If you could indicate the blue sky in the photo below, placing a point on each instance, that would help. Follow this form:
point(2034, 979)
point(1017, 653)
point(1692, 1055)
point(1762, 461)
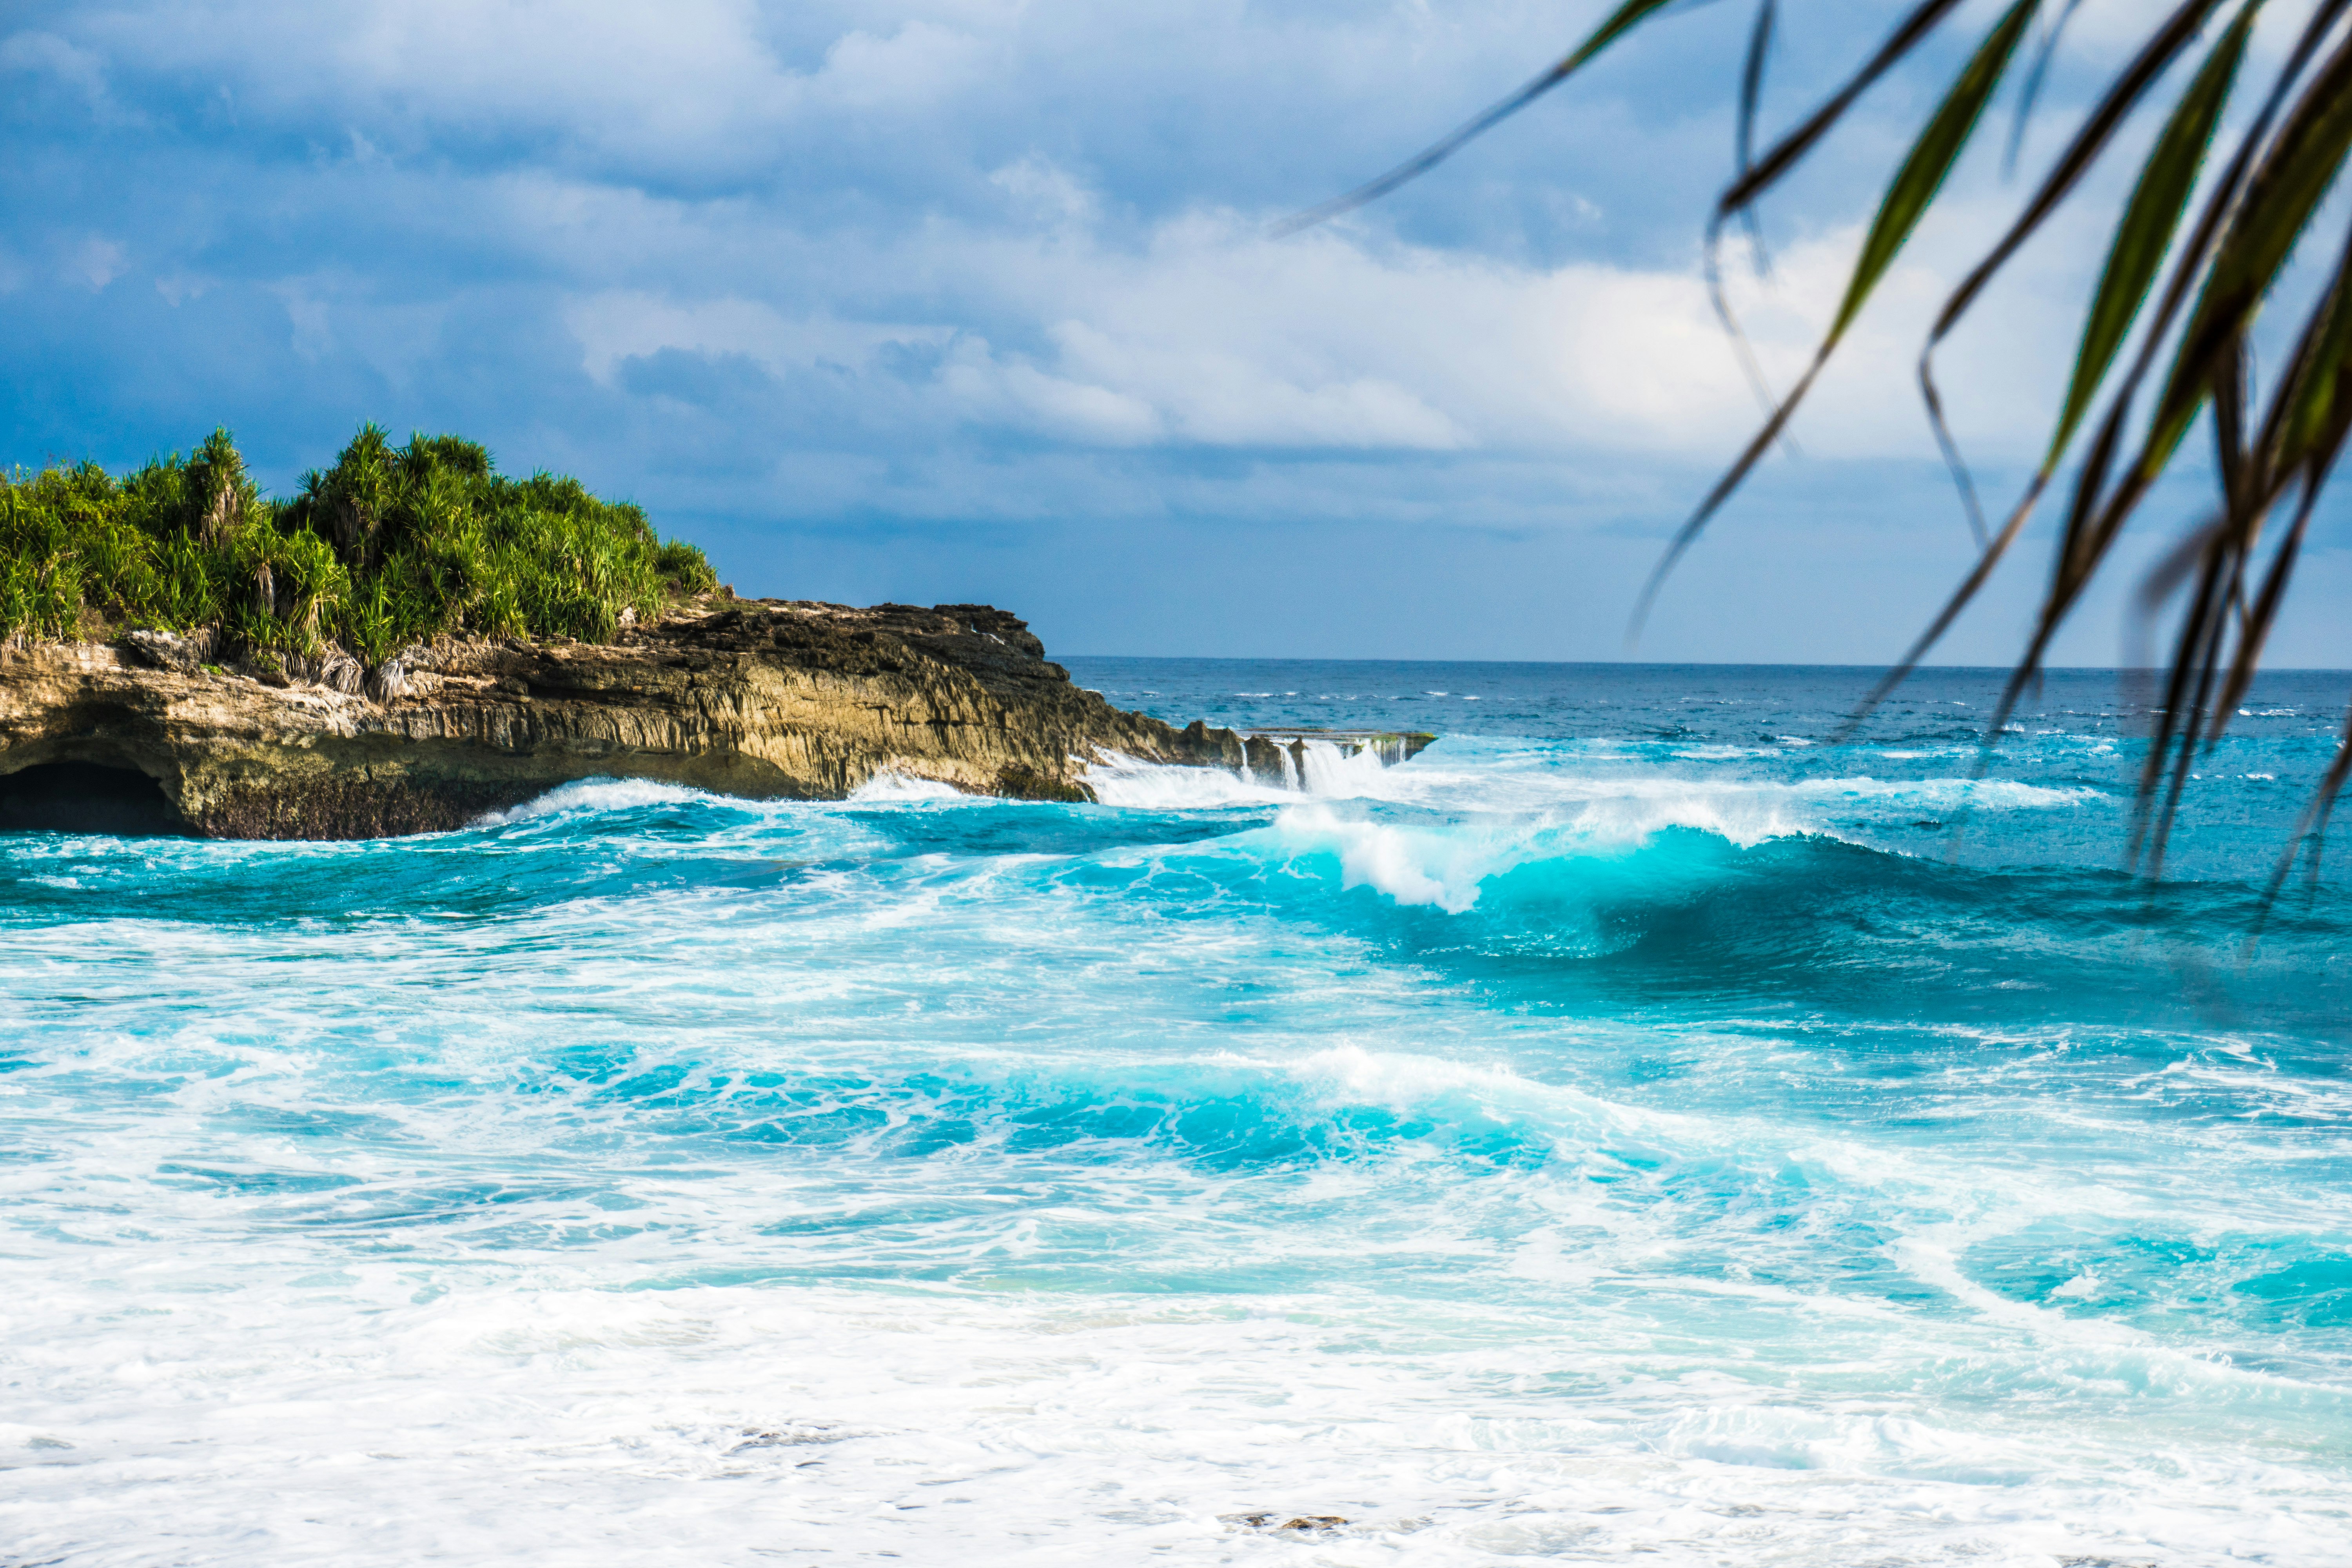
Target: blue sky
point(974, 300)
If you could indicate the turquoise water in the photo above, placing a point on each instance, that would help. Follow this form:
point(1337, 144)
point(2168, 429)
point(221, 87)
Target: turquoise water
point(1635, 1125)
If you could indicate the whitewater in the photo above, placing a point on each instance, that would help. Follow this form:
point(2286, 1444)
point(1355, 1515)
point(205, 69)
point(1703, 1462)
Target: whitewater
point(1640, 1125)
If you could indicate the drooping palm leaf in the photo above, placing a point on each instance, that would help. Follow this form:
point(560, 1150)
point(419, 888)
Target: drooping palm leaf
point(1907, 201)
point(1751, 98)
point(2031, 94)
point(2088, 144)
point(2099, 512)
point(2286, 189)
point(2096, 514)
point(1790, 150)
point(1624, 20)
point(2151, 218)
point(2208, 285)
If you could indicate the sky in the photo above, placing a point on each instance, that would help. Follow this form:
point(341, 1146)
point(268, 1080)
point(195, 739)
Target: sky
point(953, 301)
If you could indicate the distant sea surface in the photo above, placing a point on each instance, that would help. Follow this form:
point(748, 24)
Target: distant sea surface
point(1636, 1128)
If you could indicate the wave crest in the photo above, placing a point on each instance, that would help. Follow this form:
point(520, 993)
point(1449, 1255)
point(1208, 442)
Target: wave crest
point(597, 794)
point(891, 786)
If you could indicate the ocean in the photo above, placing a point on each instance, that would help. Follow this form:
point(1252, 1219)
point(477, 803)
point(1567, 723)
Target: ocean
point(1636, 1126)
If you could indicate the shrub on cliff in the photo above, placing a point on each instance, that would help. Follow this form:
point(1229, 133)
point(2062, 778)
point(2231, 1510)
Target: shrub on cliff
point(392, 545)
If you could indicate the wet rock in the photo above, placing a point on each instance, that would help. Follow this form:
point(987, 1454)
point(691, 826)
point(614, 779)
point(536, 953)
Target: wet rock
point(1305, 1522)
point(764, 699)
point(171, 651)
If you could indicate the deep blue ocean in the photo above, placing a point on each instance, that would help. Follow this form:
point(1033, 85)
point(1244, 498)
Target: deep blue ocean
point(1635, 1129)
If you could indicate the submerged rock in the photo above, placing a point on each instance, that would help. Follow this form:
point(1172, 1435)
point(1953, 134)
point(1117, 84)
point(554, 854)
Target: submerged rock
point(1303, 1523)
point(759, 698)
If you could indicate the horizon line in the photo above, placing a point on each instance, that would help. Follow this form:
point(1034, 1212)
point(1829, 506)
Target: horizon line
point(1687, 663)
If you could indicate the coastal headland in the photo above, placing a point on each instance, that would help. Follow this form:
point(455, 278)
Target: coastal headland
point(766, 698)
point(414, 640)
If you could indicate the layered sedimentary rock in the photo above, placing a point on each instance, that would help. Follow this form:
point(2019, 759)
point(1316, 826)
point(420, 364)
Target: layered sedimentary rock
point(763, 698)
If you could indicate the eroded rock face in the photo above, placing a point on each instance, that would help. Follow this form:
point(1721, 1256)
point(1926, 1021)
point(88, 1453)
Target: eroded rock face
point(760, 697)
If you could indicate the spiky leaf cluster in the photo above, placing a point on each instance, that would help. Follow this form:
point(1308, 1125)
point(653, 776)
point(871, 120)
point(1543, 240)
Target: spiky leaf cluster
point(2198, 250)
point(390, 546)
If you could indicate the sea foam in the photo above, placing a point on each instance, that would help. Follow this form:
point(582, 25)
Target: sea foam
point(1554, 1148)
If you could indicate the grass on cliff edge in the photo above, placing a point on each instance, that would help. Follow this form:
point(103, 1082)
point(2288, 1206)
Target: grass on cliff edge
point(393, 545)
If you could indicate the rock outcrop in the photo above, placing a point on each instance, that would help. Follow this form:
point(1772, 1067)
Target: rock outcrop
point(760, 697)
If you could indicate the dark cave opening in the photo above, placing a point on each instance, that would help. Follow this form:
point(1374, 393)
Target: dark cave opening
point(84, 797)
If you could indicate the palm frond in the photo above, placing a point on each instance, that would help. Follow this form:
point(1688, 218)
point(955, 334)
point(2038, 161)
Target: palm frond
point(1908, 198)
point(2150, 220)
point(1624, 20)
point(2190, 293)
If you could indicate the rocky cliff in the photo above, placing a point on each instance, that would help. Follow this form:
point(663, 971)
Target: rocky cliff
point(764, 697)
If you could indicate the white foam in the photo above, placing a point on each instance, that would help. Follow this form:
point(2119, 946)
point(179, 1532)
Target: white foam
point(596, 794)
point(1319, 768)
point(1120, 780)
point(1418, 1081)
point(1324, 769)
point(1510, 823)
point(1440, 867)
point(547, 1420)
point(890, 785)
point(462, 1238)
point(1612, 797)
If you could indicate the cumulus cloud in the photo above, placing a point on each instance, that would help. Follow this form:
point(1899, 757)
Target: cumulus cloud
point(1209, 332)
point(37, 56)
point(96, 261)
point(995, 263)
point(625, 324)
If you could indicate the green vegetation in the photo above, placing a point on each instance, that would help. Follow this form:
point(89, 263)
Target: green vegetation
point(393, 545)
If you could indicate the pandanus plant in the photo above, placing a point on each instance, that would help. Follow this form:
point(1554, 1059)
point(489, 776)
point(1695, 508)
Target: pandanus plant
point(2206, 240)
point(393, 545)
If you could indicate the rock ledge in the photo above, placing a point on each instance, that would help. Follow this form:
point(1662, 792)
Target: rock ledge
point(760, 697)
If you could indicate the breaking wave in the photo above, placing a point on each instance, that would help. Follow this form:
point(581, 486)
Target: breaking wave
point(1632, 1132)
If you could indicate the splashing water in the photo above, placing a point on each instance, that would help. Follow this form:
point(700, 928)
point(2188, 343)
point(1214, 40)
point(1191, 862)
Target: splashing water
point(1636, 1126)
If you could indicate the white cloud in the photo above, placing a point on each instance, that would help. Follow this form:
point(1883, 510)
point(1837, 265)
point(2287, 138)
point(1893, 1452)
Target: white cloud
point(96, 261)
point(1040, 191)
point(179, 287)
point(920, 63)
point(1210, 334)
point(1035, 297)
point(335, 313)
point(690, 88)
point(1016, 393)
point(47, 54)
point(313, 334)
point(1004, 261)
point(624, 324)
